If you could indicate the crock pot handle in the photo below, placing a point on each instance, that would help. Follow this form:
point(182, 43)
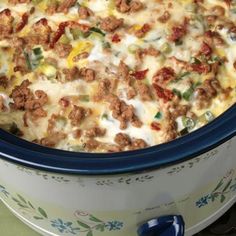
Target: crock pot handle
point(172, 225)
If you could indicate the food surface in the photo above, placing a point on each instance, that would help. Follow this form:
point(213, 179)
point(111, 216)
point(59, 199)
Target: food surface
point(114, 75)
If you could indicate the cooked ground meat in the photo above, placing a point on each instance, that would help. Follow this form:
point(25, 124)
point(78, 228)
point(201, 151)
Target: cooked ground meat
point(63, 50)
point(71, 74)
point(128, 6)
point(122, 139)
point(24, 99)
point(95, 132)
point(88, 74)
point(40, 34)
point(78, 114)
point(85, 12)
point(206, 92)
point(137, 144)
point(123, 71)
point(144, 91)
point(4, 81)
point(105, 87)
point(91, 144)
point(53, 139)
point(111, 23)
point(6, 23)
point(123, 112)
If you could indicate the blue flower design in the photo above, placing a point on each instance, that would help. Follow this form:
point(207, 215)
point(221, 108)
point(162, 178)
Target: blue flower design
point(4, 191)
point(233, 187)
point(64, 227)
point(114, 225)
point(203, 201)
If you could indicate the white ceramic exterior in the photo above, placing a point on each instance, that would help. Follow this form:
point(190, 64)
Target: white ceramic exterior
point(200, 190)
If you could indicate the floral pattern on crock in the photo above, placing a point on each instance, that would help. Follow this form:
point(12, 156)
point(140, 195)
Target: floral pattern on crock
point(85, 224)
point(225, 186)
point(4, 191)
point(193, 162)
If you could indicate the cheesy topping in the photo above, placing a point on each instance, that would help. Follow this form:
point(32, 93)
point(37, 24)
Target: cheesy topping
point(114, 75)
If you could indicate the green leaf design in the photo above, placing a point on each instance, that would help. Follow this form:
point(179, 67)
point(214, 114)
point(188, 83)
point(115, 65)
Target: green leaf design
point(38, 218)
point(222, 199)
point(21, 205)
point(94, 219)
point(42, 212)
point(83, 225)
point(233, 186)
point(219, 185)
point(100, 227)
point(227, 185)
point(29, 203)
point(90, 233)
point(16, 200)
point(21, 198)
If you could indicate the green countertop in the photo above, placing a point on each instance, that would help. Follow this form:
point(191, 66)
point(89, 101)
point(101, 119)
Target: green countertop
point(11, 226)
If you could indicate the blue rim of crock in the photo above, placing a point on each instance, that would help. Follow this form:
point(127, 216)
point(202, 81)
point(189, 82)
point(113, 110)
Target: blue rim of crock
point(198, 142)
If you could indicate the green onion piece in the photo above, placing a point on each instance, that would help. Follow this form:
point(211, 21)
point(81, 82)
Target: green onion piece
point(178, 43)
point(27, 59)
point(77, 33)
point(37, 51)
point(64, 39)
point(165, 48)
point(195, 60)
point(158, 115)
point(104, 116)
point(97, 30)
point(177, 93)
point(132, 48)
point(11, 128)
point(106, 45)
point(209, 116)
point(184, 131)
point(188, 123)
point(84, 98)
point(181, 76)
point(77, 148)
point(188, 94)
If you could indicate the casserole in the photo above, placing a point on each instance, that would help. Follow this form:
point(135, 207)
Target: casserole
point(176, 187)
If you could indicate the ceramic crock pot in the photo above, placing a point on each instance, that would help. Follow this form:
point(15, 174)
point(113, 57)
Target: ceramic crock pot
point(185, 184)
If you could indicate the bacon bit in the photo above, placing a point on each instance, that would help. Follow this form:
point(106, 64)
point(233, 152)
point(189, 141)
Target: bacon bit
point(179, 31)
point(116, 38)
point(64, 102)
point(205, 50)
point(200, 68)
point(23, 23)
point(140, 75)
point(61, 30)
point(162, 93)
point(156, 126)
point(163, 75)
point(7, 12)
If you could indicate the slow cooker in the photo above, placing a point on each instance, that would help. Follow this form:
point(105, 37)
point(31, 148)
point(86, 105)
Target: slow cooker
point(177, 188)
